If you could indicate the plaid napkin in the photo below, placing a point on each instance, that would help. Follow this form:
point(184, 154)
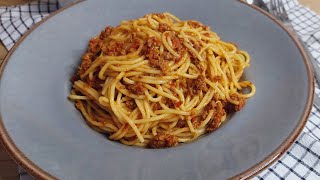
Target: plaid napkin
point(16, 20)
point(302, 161)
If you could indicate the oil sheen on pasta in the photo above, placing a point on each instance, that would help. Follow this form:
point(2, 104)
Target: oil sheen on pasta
point(158, 81)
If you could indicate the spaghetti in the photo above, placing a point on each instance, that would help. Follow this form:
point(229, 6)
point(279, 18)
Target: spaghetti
point(158, 81)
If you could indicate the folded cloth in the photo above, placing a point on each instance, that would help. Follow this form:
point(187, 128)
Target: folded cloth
point(16, 20)
point(302, 161)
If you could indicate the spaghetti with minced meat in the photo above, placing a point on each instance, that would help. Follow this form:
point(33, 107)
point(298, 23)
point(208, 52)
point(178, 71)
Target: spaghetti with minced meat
point(158, 81)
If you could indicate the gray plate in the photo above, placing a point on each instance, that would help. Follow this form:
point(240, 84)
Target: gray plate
point(45, 133)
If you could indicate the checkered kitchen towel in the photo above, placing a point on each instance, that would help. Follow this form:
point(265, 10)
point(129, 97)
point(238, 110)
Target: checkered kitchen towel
point(16, 20)
point(302, 161)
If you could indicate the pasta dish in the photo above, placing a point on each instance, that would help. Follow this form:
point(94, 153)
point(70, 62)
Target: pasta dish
point(158, 81)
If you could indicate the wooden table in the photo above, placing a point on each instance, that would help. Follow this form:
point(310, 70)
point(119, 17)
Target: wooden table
point(8, 168)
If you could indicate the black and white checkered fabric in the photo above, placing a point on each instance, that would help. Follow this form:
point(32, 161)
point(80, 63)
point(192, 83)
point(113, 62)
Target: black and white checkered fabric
point(302, 161)
point(16, 20)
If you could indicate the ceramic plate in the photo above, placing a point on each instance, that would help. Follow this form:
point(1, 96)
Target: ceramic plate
point(44, 132)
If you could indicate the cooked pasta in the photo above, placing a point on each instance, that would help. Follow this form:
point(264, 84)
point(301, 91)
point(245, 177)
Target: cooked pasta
point(158, 81)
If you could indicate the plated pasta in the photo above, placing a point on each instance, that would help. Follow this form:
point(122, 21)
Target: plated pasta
point(158, 81)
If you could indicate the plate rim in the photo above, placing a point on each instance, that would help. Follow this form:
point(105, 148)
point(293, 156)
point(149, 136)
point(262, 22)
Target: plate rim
point(37, 172)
